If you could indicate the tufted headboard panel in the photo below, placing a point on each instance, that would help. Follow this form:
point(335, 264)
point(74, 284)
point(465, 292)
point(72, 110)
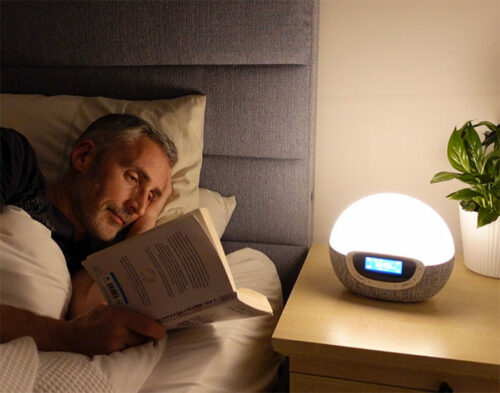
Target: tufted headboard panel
point(256, 62)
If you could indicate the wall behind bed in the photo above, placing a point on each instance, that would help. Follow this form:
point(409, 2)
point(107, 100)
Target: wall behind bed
point(395, 78)
point(254, 60)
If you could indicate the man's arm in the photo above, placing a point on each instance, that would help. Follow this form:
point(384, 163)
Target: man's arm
point(103, 330)
point(85, 296)
point(47, 332)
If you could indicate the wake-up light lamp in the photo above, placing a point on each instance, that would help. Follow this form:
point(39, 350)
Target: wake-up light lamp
point(392, 247)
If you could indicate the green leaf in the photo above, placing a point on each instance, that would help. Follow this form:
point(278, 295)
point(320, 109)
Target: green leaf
point(489, 138)
point(466, 178)
point(457, 154)
point(493, 155)
point(465, 193)
point(469, 205)
point(485, 216)
point(471, 179)
point(497, 206)
point(495, 188)
point(479, 167)
point(444, 176)
point(488, 124)
point(490, 170)
point(473, 148)
point(492, 136)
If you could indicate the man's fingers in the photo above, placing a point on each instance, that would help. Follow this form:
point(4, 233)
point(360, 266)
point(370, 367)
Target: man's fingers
point(134, 339)
point(145, 326)
point(106, 329)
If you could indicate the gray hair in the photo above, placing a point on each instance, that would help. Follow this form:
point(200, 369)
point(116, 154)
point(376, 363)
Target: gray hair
point(111, 130)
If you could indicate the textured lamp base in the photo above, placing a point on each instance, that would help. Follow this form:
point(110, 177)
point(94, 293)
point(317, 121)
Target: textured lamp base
point(434, 279)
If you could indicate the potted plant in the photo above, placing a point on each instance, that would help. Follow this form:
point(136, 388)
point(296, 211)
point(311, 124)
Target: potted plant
point(478, 166)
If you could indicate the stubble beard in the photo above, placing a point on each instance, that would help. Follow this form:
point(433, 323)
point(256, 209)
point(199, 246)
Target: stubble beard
point(95, 217)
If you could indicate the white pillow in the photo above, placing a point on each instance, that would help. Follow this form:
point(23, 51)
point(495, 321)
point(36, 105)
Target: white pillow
point(220, 207)
point(33, 272)
point(53, 123)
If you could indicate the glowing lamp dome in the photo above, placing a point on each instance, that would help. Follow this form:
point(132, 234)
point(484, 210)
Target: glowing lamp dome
point(392, 247)
point(393, 224)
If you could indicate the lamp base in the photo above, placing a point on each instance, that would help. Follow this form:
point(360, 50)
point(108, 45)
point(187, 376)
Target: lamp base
point(433, 280)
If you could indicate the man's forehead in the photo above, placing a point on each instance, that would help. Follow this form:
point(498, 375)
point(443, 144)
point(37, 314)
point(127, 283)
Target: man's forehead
point(142, 148)
point(147, 157)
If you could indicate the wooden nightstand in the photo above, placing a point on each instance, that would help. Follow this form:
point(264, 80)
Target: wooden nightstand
point(340, 342)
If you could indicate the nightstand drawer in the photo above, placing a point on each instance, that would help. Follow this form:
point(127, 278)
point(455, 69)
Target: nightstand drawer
point(391, 370)
point(302, 383)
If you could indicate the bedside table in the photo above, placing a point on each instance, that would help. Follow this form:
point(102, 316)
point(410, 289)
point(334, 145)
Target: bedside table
point(341, 342)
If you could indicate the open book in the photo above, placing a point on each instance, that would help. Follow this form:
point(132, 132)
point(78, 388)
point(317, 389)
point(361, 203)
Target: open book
point(176, 273)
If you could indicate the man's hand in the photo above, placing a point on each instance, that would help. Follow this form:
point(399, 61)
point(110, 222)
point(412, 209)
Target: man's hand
point(103, 330)
point(107, 329)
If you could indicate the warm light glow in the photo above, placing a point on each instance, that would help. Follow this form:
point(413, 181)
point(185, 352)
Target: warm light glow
point(393, 224)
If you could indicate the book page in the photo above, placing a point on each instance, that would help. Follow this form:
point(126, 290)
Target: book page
point(163, 271)
point(204, 218)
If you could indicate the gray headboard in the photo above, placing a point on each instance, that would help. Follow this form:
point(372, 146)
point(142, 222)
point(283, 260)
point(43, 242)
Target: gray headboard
point(256, 62)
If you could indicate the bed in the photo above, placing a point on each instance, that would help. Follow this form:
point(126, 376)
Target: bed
point(247, 69)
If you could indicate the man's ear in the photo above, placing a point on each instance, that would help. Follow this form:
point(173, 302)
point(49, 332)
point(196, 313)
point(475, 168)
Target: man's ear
point(83, 155)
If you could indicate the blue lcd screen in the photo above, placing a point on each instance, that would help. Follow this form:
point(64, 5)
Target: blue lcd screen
point(384, 265)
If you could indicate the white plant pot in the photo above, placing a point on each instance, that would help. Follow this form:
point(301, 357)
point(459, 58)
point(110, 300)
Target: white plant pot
point(481, 246)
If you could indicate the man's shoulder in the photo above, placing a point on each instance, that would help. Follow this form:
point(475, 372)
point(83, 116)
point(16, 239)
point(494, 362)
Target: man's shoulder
point(9, 133)
point(20, 175)
point(16, 150)
point(14, 140)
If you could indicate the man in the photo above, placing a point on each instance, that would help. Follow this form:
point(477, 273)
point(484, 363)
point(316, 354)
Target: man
point(118, 181)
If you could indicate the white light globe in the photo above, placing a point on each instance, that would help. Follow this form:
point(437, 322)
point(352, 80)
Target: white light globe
point(393, 224)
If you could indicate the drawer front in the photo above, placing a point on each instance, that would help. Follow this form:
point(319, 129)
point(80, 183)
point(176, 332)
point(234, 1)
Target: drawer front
point(424, 374)
point(303, 383)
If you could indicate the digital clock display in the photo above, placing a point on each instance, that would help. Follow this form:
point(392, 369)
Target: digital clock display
point(384, 265)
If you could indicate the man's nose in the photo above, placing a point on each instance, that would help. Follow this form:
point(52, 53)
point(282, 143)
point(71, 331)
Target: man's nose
point(139, 202)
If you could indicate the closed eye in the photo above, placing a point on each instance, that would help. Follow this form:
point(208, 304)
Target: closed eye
point(131, 177)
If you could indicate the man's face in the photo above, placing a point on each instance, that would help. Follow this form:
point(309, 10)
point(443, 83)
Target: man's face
point(120, 186)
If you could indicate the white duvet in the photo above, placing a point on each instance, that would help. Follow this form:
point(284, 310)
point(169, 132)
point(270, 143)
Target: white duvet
point(24, 369)
point(226, 356)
